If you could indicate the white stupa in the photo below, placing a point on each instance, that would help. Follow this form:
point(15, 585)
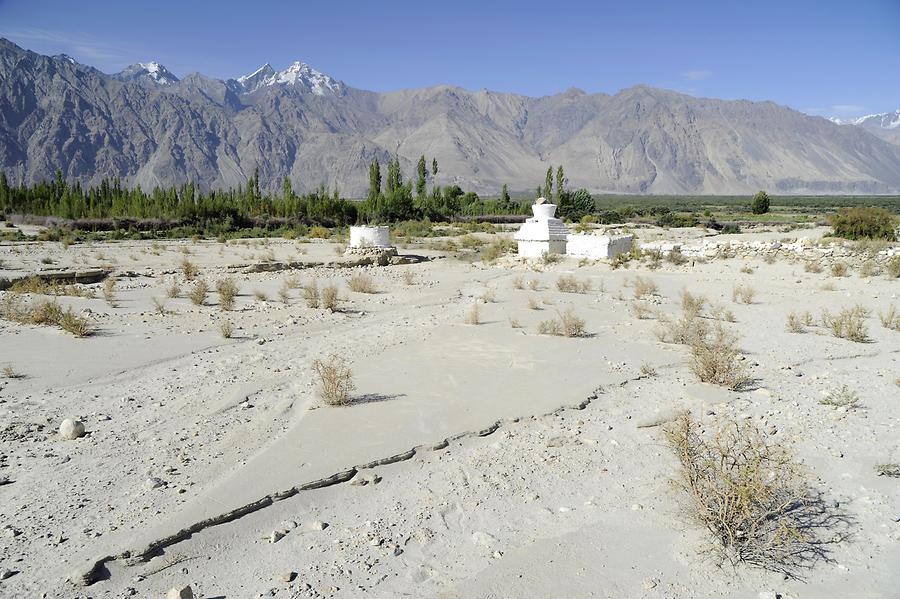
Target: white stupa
point(543, 234)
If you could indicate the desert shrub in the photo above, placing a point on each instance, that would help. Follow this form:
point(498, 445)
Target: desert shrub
point(37, 286)
point(842, 397)
point(518, 282)
point(891, 470)
point(849, 324)
point(548, 258)
point(644, 287)
point(329, 298)
point(868, 269)
point(473, 316)
point(261, 295)
point(74, 323)
point(864, 222)
point(409, 278)
point(198, 292)
point(839, 269)
point(716, 359)
point(318, 232)
point(795, 323)
point(534, 285)
point(311, 294)
point(46, 312)
point(685, 329)
point(746, 270)
point(722, 313)
point(640, 310)
point(533, 304)
point(748, 492)
point(9, 372)
point(743, 294)
point(160, 306)
point(569, 284)
point(334, 380)
point(691, 302)
point(489, 295)
point(496, 249)
point(173, 289)
point(890, 319)
point(361, 283)
point(226, 329)
point(188, 269)
point(653, 258)
point(676, 257)
point(892, 268)
point(760, 204)
point(284, 293)
point(813, 267)
point(647, 369)
point(109, 291)
point(227, 289)
point(566, 324)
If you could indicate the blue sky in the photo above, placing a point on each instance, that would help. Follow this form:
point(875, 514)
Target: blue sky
point(823, 57)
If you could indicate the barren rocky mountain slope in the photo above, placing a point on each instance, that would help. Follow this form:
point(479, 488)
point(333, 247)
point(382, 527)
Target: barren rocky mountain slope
point(56, 113)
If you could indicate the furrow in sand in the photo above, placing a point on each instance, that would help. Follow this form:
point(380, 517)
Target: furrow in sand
point(95, 569)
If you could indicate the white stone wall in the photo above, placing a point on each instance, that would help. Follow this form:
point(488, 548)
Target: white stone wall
point(362, 237)
point(536, 249)
point(597, 247)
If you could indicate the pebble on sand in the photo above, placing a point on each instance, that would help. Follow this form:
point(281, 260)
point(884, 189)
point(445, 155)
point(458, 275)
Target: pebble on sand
point(180, 593)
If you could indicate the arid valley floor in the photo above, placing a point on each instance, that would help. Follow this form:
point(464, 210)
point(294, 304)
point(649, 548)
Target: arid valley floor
point(476, 460)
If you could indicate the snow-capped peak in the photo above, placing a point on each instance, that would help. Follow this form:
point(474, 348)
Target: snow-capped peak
point(298, 74)
point(147, 71)
point(883, 120)
point(66, 57)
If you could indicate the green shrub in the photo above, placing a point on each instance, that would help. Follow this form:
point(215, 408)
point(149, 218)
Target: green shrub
point(760, 203)
point(864, 223)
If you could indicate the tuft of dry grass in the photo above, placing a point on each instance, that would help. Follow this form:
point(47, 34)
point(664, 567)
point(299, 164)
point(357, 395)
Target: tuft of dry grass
point(747, 270)
point(569, 284)
point(160, 306)
point(226, 329)
point(647, 369)
point(109, 291)
point(890, 319)
point(227, 289)
point(716, 359)
point(891, 470)
point(330, 298)
point(534, 285)
point(473, 316)
point(198, 293)
point(188, 268)
point(692, 303)
point(749, 493)
point(795, 323)
point(261, 296)
point(284, 293)
point(74, 323)
point(311, 294)
point(685, 329)
point(839, 269)
point(743, 294)
point(518, 282)
point(173, 289)
point(514, 323)
point(566, 324)
point(334, 379)
point(489, 295)
point(644, 287)
point(892, 268)
point(361, 283)
point(813, 267)
point(868, 269)
point(641, 311)
point(37, 286)
point(409, 278)
point(533, 304)
point(850, 323)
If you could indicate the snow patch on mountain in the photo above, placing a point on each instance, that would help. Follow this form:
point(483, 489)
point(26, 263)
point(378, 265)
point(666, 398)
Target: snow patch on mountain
point(299, 74)
point(884, 120)
point(147, 71)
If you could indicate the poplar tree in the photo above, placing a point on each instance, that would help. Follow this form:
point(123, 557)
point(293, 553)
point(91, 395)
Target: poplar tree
point(548, 183)
point(560, 183)
point(434, 167)
point(374, 180)
point(504, 195)
point(421, 171)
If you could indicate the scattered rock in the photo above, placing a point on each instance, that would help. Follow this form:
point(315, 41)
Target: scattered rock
point(288, 576)
point(275, 536)
point(71, 429)
point(154, 482)
point(6, 573)
point(650, 583)
point(316, 525)
point(180, 593)
point(365, 478)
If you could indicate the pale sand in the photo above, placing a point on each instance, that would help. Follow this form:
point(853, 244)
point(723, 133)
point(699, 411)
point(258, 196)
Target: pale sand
point(575, 502)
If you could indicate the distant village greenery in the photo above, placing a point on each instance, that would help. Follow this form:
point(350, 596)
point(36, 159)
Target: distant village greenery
point(391, 199)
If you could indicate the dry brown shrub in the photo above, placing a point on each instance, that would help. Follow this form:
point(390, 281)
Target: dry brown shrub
point(518, 282)
point(842, 397)
point(160, 306)
point(839, 269)
point(330, 298)
point(361, 283)
point(188, 269)
point(743, 294)
point(284, 293)
point(716, 359)
point(751, 495)
point(261, 295)
point(890, 319)
point(226, 329)
point(794, 323)
point(173, 289)
point(73, 323)
point(533, 304)
point(109, 291)
point(335, 380)
point(227, 289)
point(685, 329)
point(566, 324)
point(489, 295)
point(644, 287)
point(473, 316)
point(569, 284)
point(409, 278)
point(892, 268)
point(198, 292)
point(813, 267)
point(641, 311)
point(850, 323)
point(534, 285)
point(691, 302)
point(311, 294)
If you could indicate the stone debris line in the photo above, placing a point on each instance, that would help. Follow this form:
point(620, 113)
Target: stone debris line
point(804, 248)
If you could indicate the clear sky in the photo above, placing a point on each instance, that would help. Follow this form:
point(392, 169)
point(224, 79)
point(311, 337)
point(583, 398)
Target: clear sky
point(825, 57)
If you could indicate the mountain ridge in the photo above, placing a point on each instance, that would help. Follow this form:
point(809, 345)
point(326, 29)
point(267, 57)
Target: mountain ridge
point(305, 125)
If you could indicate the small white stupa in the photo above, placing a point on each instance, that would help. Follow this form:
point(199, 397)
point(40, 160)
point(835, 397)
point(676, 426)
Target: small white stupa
point(543, 234)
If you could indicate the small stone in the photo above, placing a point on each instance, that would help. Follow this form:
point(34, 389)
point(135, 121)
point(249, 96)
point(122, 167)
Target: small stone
point(636, 507)
point(398, 550)
point(5, 573)
point(316, 525)
point(288, 576)
point(275, 536)
point(650, 583)
point(180, 593)
point(71, 429)
point(768, 595)
point(154, 482)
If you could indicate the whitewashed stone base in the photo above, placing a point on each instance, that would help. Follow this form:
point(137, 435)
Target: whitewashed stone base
point(370, 237)
point(536, 249)
point(598, 247)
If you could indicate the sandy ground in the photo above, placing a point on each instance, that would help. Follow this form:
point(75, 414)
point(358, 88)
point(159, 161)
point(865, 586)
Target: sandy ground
point(499, 462)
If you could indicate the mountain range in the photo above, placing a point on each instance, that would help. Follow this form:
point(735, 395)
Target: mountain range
point(150, 128)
